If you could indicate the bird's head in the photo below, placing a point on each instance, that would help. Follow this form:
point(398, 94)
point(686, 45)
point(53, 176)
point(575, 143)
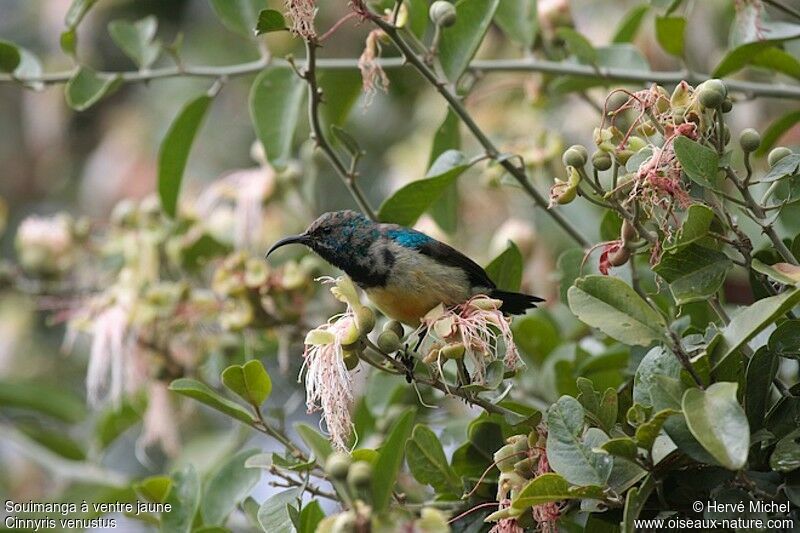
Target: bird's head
point(339, 237)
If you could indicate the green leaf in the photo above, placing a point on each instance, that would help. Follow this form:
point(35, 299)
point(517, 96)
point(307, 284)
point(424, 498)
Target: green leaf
point(646, 433)
point(43, 399)
point(670, 34)
point(77, 10)
point(204, 394)
point(694, 273)
point(719, 423)
point(86, 88)
point(427, 462)
point(518, 19)
point(447, 137)
point(761, 370)
point(184, 497)
point(506, 269)
point(484, 437)
point(634, 503)
point(9, 56)
point(310, 517)
point(624, 447)
point(787, 166)
point(750, 321)
point(657, 362)
point(228, 486)
point(630, 24)
point(407, 204)
point(154, 489)
point(744, 54)
point(273, 515)
point(775, 131)
point(136, 39)
point(174, 151)
point(552, 488)
point(275, 100)
point(270, 20)
point(115, 421)
point(578, 45)
point(786, 456)
point(700, 163)
point(695, 226)
point(239, 16)
point(777, 60)
point(567, 453)
point(319, 445)
point(460, 42)
point(390, 460)
point(785, 340)
point(56, 441)
point(341, 89)
point(536, 334)
point(68, 40)
point(250, 381)
point(609, 304)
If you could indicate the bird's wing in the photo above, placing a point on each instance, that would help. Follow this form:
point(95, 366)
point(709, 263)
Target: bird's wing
point(439, 251)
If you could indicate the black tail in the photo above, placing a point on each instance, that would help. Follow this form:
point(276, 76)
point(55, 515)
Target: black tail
point(515, 303)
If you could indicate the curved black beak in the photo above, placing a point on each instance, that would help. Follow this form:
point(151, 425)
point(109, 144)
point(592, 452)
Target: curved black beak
point(292, 239)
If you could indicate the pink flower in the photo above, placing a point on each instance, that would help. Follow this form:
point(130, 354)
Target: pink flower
point(477, 324)
point(159, 421)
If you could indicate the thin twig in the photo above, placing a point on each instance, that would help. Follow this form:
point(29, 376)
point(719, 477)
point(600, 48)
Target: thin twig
point(314, 101)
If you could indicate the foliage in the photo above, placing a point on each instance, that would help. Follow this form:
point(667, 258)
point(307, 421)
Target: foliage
point(642, 389)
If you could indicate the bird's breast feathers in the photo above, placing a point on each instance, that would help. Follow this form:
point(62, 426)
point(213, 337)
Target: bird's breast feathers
point(416, 284)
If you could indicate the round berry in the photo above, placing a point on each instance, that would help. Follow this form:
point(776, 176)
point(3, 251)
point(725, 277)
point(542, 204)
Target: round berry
point(574, 157)
point(388, 341)
point(359, 476)
point(442, 13)
point(777, 154)
point(601, 160)
point(710, 98)
point(365, 320)
point(337, 465)
point(749, 140)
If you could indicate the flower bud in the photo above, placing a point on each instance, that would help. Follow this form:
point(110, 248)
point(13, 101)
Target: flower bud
point(777, 154)
point(526, 467)
point(616, 100)
point(715, 85)
point(562, 193)
point(601, 160)
point(574, 156)
point(345, 522)
point(365, 320)
point(337, 465)
point(351, 358)
point(749, 140)
point(124, 213)
point(442, 13)
point(727, 105)
point(350, 335)
point(388, 341)
point(359, 476)
point(397, 327)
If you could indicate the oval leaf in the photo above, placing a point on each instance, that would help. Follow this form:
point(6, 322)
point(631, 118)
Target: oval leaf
point(609, 304)
point(275, 99)
point(719, 423)
point(9, 56)
point(228, 486)
point(204, 394)
point(250, 381)
point(506, 269)
point(389, 461)
point(426, 459)
point(174, 151)
point(700, 163)
point(86, 88)
point(552, 488)
point(460, 42)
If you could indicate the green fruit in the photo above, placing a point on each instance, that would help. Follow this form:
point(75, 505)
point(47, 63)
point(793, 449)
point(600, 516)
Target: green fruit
point(337, 465)
point(749, 140)
point(727, 106)
point(397, 327)
point(359, 476)
point(777, 154)
point(601, 160)
point(388, 341)
point(365, 320)
point(574, 157)
point(442, 13)
point(582, 149)
point(715, 85)
point(710, 98)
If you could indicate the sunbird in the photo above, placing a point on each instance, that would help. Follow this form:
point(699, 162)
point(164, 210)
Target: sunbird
point(404, 272)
